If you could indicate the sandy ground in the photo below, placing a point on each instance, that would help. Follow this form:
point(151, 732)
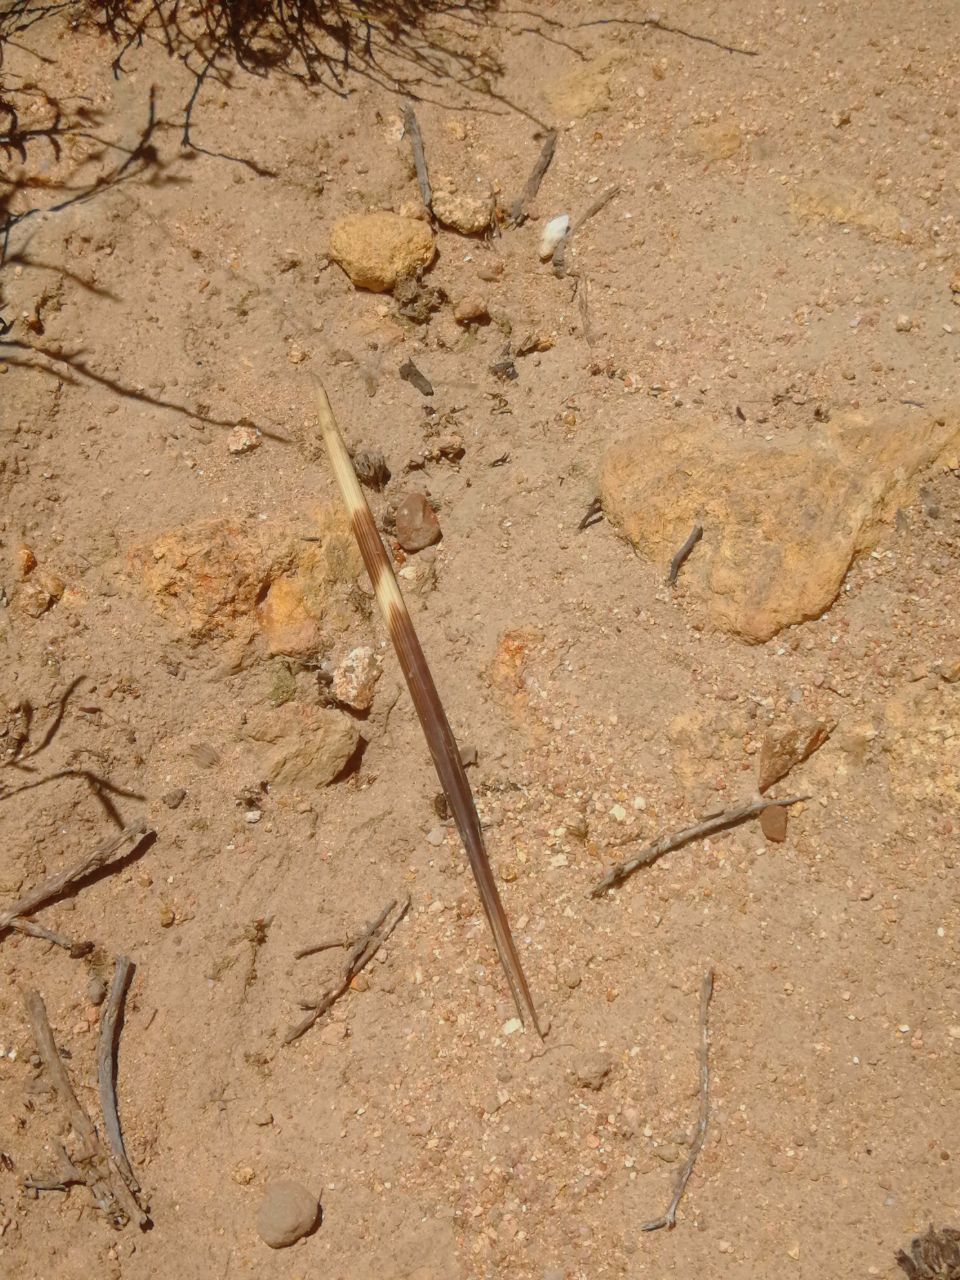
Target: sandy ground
point(783, 244)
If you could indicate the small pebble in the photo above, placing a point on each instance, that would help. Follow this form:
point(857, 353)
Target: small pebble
point(417, 525)
point(904, 324)
point(243, 440)
point(167, 917)
point(773, 823)
point(96, 989)
point(435, 836)
point(288, 1212)
point(175, 798)
point(669, 1152)
point(590, 1070)
point(471, 310)
point(262, 1117)
point(556, 231)
point(355, 678)
point(371, 468)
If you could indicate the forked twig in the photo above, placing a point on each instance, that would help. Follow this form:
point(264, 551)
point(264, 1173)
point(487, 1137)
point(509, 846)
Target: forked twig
point(362, 950)
point(107, 1052)
point(518, 210)
point(109, 1190)
point(715, 822)
point(669, 1219)
point(55, 884)
point(426, 699)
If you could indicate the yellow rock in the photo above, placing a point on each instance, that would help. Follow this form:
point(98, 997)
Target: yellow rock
point(221, 580)
point(782, 521)
point(717, 141)
point(584, 90)
point(835, 198)
point(378, 249)
point(301, 747)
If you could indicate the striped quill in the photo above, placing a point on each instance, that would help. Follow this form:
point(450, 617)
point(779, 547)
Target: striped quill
point(436, 727)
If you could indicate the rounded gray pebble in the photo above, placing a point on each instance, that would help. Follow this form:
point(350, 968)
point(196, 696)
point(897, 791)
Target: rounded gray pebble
point(288, 1213)
point(96, 989)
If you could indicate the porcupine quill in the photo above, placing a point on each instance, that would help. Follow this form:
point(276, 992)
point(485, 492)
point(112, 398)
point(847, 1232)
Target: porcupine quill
point(423, 691)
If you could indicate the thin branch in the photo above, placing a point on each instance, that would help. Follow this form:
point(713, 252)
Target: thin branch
point(696, 533)
point(518, 209)
point(715, 822)
point(108, 1189)
point(674, 31)
point(118, 847)
point(669, 1219)
point(33, 930)
point(560, 253)
point(411, 128)
point(107, 1053)
point(363, 949)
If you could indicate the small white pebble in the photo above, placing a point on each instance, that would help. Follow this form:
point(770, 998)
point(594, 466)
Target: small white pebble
point(619, 813)
point(554, 233)
point(512, 1026)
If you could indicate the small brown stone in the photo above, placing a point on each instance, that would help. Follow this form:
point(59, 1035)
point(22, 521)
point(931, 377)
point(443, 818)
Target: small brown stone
point(417, 524)
point(26, 562)
point(773, 823)
point(288, 1212)
point(471, 310)
point(787, 745)
point(591, 1069)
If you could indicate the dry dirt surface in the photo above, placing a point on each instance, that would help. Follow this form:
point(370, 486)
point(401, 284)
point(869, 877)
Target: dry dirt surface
point(758, 332)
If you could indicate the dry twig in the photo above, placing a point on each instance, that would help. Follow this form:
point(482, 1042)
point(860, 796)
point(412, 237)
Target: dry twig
point(107, 1053)
point(560, 253)
point(669, 1219)
point(411, 128)
point(50, 888)
point(696, 533)
point(715, 822)
point(34, 930)
point(583, 302)
point(518, 210)
point(110, 1192)
point(362, 950)
point(426, 700)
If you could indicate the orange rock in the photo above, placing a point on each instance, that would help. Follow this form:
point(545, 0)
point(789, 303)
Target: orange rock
point(287, 626)
point(26, 562)
point(223, 580)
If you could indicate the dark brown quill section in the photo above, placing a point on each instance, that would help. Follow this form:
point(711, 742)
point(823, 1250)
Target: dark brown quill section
point(456, 787)
point(426, 700)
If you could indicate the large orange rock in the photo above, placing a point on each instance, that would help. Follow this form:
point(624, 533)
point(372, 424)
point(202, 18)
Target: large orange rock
point(222, 579)
point(782, 520)
point(378, 249)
